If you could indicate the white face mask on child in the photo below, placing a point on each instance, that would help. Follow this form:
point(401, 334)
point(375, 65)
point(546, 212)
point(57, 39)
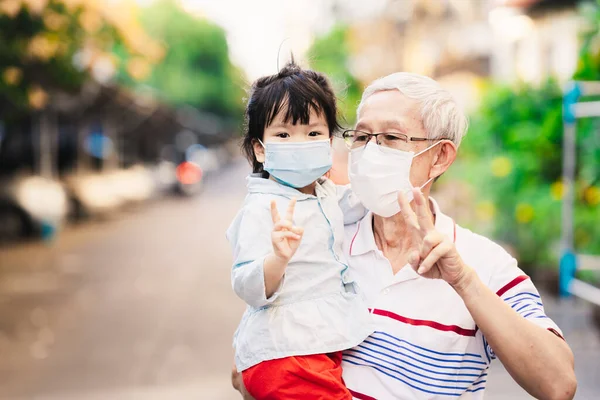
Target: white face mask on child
point(378, 173)
point(297, 164)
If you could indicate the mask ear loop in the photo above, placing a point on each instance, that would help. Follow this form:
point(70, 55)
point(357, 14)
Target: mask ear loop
point(423, 151)
point(429, 148)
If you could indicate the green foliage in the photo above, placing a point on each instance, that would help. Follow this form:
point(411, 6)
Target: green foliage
point(196, 69)
point(513, 156)
point(52, 64)
point(38, 47)
point(330, 54)
point(588, 65)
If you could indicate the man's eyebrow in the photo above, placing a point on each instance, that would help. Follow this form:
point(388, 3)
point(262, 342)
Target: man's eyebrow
point(394, 123)
point(385, 124)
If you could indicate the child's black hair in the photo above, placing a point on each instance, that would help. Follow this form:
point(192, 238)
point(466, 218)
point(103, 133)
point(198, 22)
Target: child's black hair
point(297, 90)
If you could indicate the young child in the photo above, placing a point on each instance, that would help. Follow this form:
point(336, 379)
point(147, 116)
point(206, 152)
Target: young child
point(303, 307)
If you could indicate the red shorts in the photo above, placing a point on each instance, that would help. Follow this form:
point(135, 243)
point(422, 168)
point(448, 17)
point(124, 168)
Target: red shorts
point(313, 377)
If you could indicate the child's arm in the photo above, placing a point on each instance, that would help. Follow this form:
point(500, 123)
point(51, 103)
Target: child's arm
point(261, 252)
point(351, 206)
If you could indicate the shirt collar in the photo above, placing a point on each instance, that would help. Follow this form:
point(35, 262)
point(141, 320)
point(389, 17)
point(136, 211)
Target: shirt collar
point(257, 184)
point(363, 240)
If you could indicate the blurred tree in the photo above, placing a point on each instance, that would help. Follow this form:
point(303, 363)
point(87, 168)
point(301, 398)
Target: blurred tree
point(48, 45)
point(196, 69)
point(588, 65)
point(330, 54)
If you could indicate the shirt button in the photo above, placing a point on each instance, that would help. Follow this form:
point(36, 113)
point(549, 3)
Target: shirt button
point(386, 291)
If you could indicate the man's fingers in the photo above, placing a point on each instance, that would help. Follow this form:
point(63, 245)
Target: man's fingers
point(422, 211)
point(274, 212)
point(405, 209)
point(289, 214)
point(431, 240)
point(413, 259)
point(438, 252)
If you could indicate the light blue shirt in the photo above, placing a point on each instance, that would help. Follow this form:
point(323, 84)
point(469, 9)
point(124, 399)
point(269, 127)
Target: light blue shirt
point(317, 308)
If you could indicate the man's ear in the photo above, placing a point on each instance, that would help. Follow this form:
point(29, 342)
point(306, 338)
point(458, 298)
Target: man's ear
point(444, 158)
point(259, 151)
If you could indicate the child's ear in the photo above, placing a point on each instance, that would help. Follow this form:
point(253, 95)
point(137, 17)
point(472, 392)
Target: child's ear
point(259, 151)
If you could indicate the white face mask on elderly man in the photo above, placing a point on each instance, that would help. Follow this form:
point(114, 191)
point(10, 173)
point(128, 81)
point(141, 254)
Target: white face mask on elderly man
point(378, 173)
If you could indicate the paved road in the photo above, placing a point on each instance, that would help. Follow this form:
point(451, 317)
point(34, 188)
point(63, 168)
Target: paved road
point(140, 307)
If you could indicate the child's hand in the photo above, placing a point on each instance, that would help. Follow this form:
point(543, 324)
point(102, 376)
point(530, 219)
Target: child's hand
point(285, 237)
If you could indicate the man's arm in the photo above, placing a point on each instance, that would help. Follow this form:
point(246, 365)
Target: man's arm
point(537, 359)
point(238, 384)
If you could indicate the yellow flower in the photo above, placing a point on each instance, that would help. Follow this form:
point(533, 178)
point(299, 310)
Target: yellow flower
point(501, 166)
point(38, 98)
point(138, 69)
point(72, 4)
point(55, 21)
point(12, 75)
point(43, 48)
point(485, 211)
point(557, 190)
point(36, 6)
point(592, 195)
point(524, 213)
point(10, 7)
point(90, 21)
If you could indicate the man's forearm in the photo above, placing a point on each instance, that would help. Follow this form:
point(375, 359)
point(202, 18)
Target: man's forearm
point(538, 360)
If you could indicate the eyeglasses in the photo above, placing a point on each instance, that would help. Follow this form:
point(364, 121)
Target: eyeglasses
point(399, 141)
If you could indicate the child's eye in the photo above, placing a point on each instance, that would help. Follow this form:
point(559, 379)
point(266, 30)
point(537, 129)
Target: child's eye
point(283, 135)
point(315, 133)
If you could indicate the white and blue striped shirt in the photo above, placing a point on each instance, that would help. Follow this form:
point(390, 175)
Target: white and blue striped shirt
point(426, 344)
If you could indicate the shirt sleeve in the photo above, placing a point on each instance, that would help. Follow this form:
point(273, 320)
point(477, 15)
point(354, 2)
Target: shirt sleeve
point(250, 240)
point(518, 291)
point(351, 206)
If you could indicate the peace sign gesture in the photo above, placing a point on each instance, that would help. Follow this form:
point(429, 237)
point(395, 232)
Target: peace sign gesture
point(433, 255)
point(285, 236)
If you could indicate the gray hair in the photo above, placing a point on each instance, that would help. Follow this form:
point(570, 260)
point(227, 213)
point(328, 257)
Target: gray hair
point(441, 115)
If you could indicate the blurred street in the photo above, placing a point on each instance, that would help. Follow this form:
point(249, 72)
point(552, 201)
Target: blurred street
point(141, 307)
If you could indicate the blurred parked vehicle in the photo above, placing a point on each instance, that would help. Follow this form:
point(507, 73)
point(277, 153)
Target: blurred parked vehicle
point(97, 194)
point(31, 206)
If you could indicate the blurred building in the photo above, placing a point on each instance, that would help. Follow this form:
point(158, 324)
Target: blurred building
point(534, 39)
point(458, 42)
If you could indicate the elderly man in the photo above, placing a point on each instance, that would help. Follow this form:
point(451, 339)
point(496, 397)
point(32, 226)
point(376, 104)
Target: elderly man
point(445, 301)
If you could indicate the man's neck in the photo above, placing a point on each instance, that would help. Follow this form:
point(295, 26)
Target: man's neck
point(390, 237)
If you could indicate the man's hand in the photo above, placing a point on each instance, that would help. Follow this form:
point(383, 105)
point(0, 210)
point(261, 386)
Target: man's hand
point(285, 236)
point(238, 384)
point(433, 255)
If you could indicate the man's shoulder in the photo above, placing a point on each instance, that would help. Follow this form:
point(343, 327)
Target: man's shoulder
point(481, 252)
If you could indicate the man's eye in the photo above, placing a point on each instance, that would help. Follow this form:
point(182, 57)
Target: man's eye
point(283, 135)
point(315, 133)
point(392, 137)
point(360, 138)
